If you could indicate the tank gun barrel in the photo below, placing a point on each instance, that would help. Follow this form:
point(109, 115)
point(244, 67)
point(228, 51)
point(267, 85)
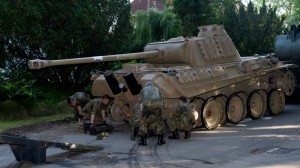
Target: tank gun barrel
point(38, 64)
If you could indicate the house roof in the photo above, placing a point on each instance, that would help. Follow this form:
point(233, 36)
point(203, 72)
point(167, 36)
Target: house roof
point(146, 4)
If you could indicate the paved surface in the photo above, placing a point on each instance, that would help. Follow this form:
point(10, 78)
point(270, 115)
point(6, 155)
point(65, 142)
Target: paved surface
point(269, 142)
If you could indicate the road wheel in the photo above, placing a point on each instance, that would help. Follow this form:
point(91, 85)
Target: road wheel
point(282, 96)
point(234, 109)
point(244, 98)
point(263, 93)
point(222, 100)
point(211, 113)
point(276, 101)
point(255, 105)
point(198, 105)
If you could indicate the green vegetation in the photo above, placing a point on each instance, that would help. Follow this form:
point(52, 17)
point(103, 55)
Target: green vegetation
point(27, 121)
point(18, 89)
point(194, 13)
point(154, 25)
point(58, 29)
point(290, 8)
point(253, 30)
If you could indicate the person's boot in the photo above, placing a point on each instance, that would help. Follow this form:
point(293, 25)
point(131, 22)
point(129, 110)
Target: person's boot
point(160, 139)
point(133, 133)
point(86, 127)
point(174, 135)
point(177, 135)
point(143, 141)
point(187, 134)
point(93, 130)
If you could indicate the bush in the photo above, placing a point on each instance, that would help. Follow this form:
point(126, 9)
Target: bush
point(22, 90)
point(29, 98)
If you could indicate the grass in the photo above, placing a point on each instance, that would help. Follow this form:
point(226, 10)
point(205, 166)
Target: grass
point(17, 123)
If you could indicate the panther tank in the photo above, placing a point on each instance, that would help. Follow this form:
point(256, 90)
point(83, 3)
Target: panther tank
point(207, 69)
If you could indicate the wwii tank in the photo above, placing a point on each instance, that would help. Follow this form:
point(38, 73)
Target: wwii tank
point(207, 69)
point(287, 49)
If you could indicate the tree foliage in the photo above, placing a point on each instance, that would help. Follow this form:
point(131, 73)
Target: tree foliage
point(289, 8)
point(56, 29)
point(153, 25)
point(293, 11)
point(253, 30)
point(188, 11)
point(194, 13)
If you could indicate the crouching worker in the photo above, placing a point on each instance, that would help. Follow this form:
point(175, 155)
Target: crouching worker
point(78, 101)
point(151, 106)
point(95, 111)
point(182, 119)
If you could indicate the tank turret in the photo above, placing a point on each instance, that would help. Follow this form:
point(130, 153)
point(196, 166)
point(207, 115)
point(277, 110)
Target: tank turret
point(212, 46)
point(207, 69)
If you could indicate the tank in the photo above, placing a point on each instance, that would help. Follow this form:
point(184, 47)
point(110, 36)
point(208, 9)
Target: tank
point(207, 69)
point(287, 49)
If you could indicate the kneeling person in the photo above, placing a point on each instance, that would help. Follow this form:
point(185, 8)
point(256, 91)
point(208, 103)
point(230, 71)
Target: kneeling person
point(95, 110)
point(182, 119)
point(78, 101)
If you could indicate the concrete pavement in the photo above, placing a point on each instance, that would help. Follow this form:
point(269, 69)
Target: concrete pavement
point(263, 143)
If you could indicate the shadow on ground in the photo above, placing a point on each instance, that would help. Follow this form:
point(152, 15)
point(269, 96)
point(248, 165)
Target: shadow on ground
point(294, 99)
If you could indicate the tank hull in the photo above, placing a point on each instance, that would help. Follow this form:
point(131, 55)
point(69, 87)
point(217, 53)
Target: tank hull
point(261, 74)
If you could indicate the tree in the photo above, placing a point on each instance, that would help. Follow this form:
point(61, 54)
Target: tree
point(253, 31)
point(289, 8)
point(188, 11)
point(194, 13)
point(59, 29)
point(153, 25)
point(295, 14)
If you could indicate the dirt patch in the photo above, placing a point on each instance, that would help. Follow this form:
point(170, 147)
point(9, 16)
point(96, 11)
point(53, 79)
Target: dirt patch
point(49, 129)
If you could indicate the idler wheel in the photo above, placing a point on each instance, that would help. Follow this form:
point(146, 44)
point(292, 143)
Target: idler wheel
point(276, 101)
point(234, 109)
point(118, 112)
point(289, 83)
point(211, 115)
